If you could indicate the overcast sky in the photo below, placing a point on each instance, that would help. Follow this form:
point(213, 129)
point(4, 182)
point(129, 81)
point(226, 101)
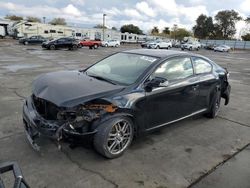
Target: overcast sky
point(143, 13)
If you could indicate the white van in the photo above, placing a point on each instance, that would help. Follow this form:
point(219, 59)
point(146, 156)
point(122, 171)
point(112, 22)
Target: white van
point(2, 32)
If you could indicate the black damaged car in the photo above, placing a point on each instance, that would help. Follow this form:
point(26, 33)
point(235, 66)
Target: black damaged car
point(65, 42)
point(123, 96)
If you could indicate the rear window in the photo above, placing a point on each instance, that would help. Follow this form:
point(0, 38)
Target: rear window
point(201, 66)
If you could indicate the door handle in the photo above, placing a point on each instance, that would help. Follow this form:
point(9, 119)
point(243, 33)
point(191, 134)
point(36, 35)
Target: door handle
point(195, 87)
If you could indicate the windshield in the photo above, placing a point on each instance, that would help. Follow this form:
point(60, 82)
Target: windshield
point(121, 68)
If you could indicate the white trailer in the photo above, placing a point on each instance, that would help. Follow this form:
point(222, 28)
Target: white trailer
point(28, 29)
point(2, 32)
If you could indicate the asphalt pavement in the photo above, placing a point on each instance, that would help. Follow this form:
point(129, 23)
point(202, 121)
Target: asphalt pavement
point(196, 152)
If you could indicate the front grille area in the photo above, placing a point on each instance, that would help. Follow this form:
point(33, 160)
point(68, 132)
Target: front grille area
point(45, 108)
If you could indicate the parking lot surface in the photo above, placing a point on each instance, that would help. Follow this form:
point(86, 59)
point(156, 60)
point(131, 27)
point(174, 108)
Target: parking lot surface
point(179, 155)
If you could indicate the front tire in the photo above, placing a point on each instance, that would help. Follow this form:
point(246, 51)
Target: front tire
point(114, 136)
point(215, 107)
point(52, 47)
point(26, 43)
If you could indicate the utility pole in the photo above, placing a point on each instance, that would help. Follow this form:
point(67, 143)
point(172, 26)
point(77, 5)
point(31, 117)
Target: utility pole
point(44, 18)
point(175, 28)
point(103, 26)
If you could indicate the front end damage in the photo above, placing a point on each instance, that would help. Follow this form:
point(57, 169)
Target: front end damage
point(44, 119)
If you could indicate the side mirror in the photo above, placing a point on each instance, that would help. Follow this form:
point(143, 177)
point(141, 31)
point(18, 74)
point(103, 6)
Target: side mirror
point(156, 82)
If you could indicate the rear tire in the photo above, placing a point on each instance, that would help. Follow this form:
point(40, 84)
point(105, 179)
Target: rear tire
point(106, 45)
point(215, 107)
point(74, 47)
point(95, 46)
point(26, 43)
point(114, 136)
point(116, 45)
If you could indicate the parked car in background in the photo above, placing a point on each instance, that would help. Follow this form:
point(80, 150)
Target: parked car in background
point(222, 48)
point(90, 43)
point(123, 96)
point(111, 43)
point(210, 46)
point(145, 44)
point(2, 32)
point(65, 42)
point(191, 46)
point(37, 39)
point(160, 45)
point(176, 44)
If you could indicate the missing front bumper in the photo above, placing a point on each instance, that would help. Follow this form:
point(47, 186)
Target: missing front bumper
point(37, 127)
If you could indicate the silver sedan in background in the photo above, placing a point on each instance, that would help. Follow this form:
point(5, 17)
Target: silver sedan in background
point(222, 48)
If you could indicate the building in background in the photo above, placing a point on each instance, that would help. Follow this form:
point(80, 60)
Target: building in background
point(19, 29)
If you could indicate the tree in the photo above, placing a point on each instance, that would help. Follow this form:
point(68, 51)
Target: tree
point(100, 26)
point(58, 21)
point(247, 20)
point(225, 23)
point(246, 37)
point(114, 28)
point(13, 17)
point(33, 19)
point(155, 30)
point(180, 33)
point(204, 27)
point(130, 28)
point(166, 31)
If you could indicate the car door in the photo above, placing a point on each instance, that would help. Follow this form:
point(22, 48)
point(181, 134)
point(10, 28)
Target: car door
point(111, 43)
point(208, 83)
point(60, 43)
point(178, 98)
point(164, 44)
point(40, 40)
point(32, 40)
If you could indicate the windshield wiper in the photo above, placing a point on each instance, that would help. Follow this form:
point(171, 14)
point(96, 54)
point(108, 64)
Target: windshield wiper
point(101, 78)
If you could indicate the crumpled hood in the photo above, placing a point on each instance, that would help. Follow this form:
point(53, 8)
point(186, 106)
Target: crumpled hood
point(70, 88)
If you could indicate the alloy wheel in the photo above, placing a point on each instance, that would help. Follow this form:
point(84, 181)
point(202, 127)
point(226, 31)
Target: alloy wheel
point(119, 137)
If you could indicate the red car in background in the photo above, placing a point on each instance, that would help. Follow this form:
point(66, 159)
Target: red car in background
point(90, 43)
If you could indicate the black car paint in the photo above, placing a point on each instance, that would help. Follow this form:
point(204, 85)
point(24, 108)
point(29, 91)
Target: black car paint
point(148, 109)
point(61, 43)
point(33, 40)
point(53, 88)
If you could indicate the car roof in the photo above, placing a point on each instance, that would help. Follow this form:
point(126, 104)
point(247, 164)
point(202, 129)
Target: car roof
point(157, 53)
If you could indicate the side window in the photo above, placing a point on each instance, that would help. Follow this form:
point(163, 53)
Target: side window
point(174, 69)
point(201, 66)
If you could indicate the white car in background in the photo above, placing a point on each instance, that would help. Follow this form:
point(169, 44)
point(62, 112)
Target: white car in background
point(222, 48)
point(191, 46)
point(160, 45)
point(112, 43)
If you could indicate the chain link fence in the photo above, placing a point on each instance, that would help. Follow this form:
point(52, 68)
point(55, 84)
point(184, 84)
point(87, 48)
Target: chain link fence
point(235, 44)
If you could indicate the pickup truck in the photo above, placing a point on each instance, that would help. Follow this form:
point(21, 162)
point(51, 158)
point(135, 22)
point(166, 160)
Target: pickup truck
point(90, 43)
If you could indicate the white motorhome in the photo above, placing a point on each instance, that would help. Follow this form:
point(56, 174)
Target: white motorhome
point(27, 29)
point(2, 32)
